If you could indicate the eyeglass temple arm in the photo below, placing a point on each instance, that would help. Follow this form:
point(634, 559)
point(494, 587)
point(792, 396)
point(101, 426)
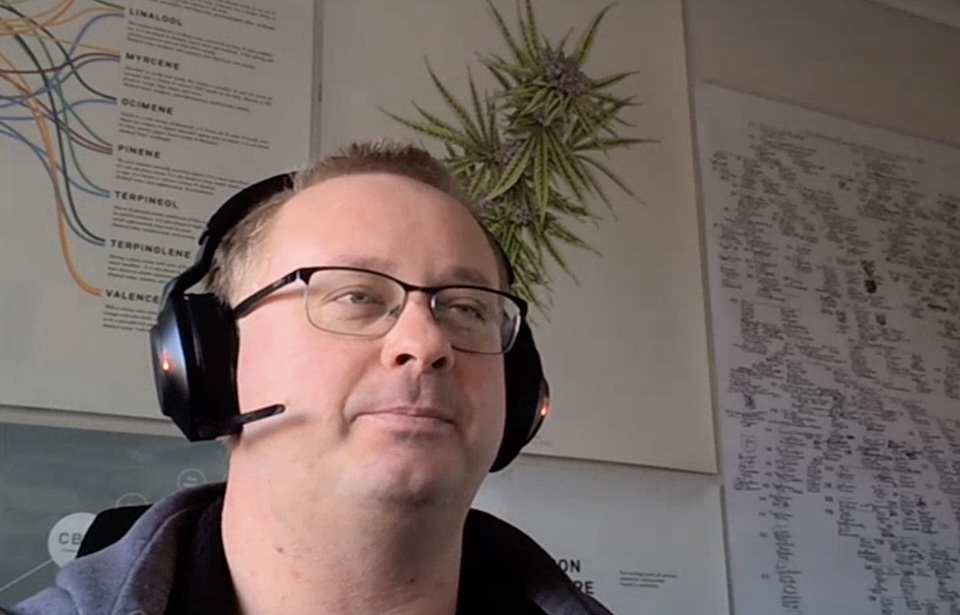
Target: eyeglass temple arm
point(244, 307)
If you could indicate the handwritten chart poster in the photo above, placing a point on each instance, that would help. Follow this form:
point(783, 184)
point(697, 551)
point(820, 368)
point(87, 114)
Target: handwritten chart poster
point(833, 253)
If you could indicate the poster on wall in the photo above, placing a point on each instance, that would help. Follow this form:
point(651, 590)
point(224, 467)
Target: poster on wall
point(639, 540)
point(834, 250)
point(53, 481)
point(122, 127)
point(622, 330)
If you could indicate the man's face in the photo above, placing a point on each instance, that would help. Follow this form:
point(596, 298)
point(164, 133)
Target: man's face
point(354, 424)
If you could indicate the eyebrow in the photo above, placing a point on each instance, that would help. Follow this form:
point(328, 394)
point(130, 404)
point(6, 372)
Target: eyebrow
point(470, 275)
point(458, 274)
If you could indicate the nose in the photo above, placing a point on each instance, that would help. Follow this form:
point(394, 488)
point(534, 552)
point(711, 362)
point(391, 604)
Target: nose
point(417, 340)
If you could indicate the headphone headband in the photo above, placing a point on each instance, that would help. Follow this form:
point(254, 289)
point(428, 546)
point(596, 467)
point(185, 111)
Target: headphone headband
point(227, 216)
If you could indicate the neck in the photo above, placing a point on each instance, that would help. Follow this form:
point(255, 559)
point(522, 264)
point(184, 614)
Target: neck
point(340, 558)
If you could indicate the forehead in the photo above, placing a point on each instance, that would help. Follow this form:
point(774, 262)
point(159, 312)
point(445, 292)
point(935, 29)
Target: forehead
point(385, 222)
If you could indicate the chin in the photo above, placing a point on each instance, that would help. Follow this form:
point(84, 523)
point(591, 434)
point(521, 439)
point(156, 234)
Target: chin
point(408, 476)
point(415, 463)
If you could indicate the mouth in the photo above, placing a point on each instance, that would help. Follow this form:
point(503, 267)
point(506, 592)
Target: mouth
point(415, 418)
point(415, 413)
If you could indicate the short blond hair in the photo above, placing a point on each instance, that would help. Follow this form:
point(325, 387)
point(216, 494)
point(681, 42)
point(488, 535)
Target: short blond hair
point(239, 245)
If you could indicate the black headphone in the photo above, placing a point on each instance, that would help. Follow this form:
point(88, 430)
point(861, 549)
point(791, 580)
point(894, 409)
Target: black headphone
point(195, 344)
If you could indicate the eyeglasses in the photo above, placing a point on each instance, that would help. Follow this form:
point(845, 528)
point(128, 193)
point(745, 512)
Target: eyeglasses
point(363, 303)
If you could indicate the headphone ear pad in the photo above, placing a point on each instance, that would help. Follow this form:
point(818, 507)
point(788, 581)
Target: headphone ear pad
point(527, 395)
point(195, 345)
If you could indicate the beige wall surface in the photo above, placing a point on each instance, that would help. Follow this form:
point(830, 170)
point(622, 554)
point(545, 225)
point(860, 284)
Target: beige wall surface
point(859, 60)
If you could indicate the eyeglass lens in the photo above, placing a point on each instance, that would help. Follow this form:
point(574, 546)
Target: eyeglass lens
point(366, 304)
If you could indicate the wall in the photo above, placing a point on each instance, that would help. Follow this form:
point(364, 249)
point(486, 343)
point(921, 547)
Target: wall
point(856, 59)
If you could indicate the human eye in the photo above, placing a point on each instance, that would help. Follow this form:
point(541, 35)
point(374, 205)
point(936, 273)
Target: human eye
point(357, 303)
point(467, 308)
point(358, 296)
point(345, 300)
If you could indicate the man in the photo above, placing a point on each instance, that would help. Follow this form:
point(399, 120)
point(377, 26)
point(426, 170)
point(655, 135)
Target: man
point(356, 498)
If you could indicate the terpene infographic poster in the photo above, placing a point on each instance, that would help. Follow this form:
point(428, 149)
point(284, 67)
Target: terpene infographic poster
point(122, 128)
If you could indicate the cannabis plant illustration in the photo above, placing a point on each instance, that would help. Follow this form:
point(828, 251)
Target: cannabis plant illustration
point(530, 153)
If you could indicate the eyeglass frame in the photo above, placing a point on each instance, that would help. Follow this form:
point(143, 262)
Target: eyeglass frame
point(303, 274)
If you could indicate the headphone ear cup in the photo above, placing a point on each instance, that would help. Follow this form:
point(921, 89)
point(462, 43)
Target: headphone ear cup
point(195, 345)
point(527, 395)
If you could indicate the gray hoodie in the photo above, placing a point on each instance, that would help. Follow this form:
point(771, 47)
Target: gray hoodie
point(135, 576)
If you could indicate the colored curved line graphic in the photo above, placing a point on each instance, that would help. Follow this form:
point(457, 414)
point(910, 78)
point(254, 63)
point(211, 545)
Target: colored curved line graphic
point(48, 92)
